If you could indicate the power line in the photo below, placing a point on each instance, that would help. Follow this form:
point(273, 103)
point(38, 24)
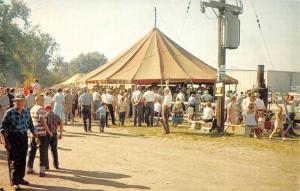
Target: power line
point(263, 37)
point(210, 18)
point(185, 17)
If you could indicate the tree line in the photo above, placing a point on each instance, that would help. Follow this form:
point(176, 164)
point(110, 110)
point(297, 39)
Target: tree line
point(27, 53)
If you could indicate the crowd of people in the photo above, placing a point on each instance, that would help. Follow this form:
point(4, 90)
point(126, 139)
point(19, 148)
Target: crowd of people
point(254, 114)
point(44, 112)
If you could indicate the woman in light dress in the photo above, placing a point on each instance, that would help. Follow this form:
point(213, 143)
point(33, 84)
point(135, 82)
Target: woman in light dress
point(279, 124)
point(232, 114)
point(59, 101)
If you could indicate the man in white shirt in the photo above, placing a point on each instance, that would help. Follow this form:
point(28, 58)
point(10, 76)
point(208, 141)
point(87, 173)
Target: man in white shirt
point(192, 106)
point(30, 100)
point(157, 112)
point(206, 97)
point(47, 99)
point(208, 113)
point(137, 105)
point(240, 99)
point(166, 108)
point(181, 96)
point(260, 104)
point(291, 112)
point(291, 107)
point(227, 101)
point(36, 87)
point(246, 102)
point(149, 99)
point(108, 100)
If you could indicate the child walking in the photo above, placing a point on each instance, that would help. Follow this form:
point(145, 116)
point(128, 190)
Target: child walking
point(278, 124)
point(101, 113)
point(250, 120)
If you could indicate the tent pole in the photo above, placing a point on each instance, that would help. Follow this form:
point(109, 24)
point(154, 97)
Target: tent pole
point(192, 85)
point(105, 85)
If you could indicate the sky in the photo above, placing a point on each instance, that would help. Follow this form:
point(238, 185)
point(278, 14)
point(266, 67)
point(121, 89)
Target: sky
point(111, 26)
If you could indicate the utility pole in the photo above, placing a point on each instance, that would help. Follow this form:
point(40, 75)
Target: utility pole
point(220, 114)
point(224, 41)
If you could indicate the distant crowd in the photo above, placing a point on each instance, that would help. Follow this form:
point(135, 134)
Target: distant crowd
point(45, 111)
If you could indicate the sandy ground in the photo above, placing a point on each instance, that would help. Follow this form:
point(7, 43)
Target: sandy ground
point(118, 160)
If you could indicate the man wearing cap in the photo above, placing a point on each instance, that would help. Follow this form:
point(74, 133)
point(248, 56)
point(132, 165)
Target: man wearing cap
point(53, 121)
point(4, 102)
point(38, 117)
point(85, 102)
point(14, 127)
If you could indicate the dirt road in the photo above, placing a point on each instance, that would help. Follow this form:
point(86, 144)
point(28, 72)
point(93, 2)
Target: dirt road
point(118, 160)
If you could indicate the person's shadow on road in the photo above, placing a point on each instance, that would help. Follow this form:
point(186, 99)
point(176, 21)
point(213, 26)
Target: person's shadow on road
point(89, 177)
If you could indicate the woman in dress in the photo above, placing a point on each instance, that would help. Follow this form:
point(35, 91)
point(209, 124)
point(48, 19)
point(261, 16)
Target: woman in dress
point(232, 114)
point(59, 101)
point(279, 124)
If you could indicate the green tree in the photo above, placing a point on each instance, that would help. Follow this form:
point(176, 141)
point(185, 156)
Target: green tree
point(11, 33)
point(25, 52)
point(85, 63)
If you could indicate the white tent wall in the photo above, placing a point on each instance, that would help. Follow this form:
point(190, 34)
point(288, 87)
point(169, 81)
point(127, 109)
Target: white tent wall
point(246, 78)
point(278, 81)
point(295, 79)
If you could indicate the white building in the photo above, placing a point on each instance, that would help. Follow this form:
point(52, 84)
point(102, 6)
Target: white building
point(278, 81)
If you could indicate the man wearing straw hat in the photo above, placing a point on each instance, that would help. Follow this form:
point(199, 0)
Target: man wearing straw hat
point(14, 127)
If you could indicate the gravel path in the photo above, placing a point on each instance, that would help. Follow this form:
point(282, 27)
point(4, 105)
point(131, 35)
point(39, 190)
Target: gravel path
point(117, 160)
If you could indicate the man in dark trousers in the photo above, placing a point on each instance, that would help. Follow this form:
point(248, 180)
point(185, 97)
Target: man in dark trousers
point(53, 121)
point(137, 104)
point(38, 117)
point(15, 125)
point(85, 101)
point(149, 99)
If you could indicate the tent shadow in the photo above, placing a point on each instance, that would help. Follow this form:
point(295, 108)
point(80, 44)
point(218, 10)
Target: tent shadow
point(92, 174)
point(95, 177)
